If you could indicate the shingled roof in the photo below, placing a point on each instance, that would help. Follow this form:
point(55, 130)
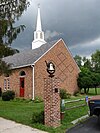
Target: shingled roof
point(28, 57)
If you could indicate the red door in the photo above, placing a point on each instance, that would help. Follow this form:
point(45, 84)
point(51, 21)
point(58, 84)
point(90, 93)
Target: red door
point(21, 87)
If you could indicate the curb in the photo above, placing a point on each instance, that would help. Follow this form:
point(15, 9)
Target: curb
point(79, 119)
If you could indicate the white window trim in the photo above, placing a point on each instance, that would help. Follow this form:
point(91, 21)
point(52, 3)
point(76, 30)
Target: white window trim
point(6, 83)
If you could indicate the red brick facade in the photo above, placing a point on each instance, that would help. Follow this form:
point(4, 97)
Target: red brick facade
point(14, 82)
point(66, 70)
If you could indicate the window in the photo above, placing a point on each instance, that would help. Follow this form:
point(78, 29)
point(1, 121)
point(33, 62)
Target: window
point(6, 84)
point(36, 35)
point(22, 73)
point(41, 35)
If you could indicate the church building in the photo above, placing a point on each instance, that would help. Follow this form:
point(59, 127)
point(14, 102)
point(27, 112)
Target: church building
point(29, 67)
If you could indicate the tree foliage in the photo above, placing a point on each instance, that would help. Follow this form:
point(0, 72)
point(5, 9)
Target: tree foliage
point(87, 63)
point(93, 64)
point(84, 80)
point(6, 51)
point(88, 79)
point(90, 71)
point(4, 68)
point(78, 60)
point(10, 11)
point(95, 58)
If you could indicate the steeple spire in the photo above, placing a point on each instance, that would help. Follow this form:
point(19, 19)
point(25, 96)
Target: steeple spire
point(38, 34)
point(38, 26)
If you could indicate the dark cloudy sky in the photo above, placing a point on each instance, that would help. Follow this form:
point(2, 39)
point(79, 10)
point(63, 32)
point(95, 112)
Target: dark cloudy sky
point(76, 21)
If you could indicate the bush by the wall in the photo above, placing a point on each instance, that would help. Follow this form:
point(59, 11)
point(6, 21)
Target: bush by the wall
point(76, 93)
point(38, 117)
point(38, 100)
point(64, 94)
point(8, 95)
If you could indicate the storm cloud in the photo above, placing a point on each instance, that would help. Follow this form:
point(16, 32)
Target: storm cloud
point(76, 21)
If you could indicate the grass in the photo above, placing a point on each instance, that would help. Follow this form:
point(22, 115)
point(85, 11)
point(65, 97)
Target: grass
point(92, 91)
point(21, 111)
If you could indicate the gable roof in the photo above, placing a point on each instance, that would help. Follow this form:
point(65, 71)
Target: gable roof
point(28, 57)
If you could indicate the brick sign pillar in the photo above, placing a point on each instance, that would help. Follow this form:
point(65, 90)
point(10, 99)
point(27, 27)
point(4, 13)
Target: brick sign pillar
point(52, 102)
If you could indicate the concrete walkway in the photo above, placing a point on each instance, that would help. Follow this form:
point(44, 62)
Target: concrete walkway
point(8, 126)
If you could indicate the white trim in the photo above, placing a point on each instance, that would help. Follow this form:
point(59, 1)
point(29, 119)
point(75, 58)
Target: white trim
point(22, 76)
point(5, 84)
point(47, 51)
point(33, 83)
point(21, 66)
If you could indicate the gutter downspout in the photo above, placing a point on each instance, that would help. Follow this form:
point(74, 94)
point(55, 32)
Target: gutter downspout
point(33, 82)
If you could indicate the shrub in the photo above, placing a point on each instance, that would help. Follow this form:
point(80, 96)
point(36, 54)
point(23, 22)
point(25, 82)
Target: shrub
point(64, 94)
point(38, 117)
point(38, 100)
point(0, 92)
point(8, 95)
point(76, 93)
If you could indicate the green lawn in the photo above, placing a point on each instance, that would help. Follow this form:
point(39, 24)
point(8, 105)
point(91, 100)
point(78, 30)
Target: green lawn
point(92, 91)
point(21, 111)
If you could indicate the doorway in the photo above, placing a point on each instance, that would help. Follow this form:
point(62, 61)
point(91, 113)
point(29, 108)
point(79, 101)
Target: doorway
point(22, 84)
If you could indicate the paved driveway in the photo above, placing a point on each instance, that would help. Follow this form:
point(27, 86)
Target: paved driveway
point(92, 125)
point(7, 126)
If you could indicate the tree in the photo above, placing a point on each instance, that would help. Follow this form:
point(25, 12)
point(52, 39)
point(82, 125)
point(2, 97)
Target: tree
point(90, 71)
point(96, 80)
point(84, 80)
point(78, 60)
point(10, 10)
point(6, 51)
point(83, 61)
point(4, 68)
point(87, 63)
point(87, 79)
point(95, 58)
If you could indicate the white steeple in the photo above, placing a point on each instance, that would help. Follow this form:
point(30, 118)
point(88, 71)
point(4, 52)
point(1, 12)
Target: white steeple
point(38, 34)
point(38, 26)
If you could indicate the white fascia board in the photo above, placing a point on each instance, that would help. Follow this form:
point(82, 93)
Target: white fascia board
point(33, 94)
point(22, 66)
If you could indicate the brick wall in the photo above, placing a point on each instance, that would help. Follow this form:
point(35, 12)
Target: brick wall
point(66, 69)
point(14, 80)
point(52, 102)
